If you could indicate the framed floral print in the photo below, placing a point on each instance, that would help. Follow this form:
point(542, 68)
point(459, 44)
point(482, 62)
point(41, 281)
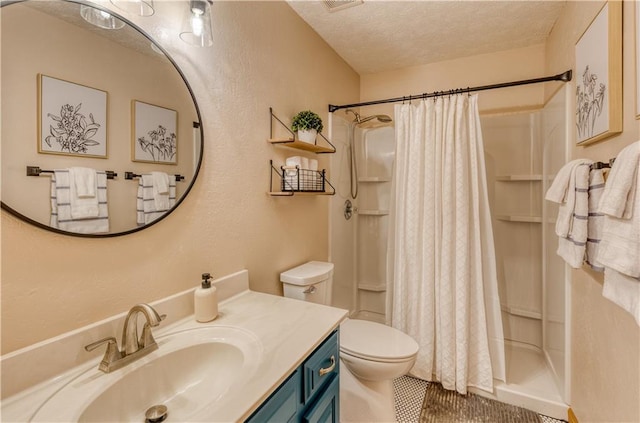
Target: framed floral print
point(155, 130)
point(72, 118)
point(599, 77)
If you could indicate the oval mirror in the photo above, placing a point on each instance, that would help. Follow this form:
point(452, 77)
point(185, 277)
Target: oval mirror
point(80, 101)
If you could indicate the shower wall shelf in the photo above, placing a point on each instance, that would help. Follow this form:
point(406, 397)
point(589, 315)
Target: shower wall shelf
point(374, 179)
point(373, 212)
point(519, 178)
point(373, 287)
point(519, 218)
point(292, 142)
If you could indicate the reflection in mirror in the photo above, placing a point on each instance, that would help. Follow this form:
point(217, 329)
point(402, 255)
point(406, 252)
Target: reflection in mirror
point(70, 92)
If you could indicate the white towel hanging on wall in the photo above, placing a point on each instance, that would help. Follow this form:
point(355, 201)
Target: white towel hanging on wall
point(150, 204)
point(61, 216)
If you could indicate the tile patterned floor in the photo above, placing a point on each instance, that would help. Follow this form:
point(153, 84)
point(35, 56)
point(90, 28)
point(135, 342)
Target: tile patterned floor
point(409, 393)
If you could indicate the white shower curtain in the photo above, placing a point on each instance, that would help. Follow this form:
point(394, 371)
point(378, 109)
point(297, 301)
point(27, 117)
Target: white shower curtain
point(442, 276)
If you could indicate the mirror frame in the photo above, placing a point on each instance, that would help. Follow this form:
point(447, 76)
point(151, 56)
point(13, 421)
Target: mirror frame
point(196, 125)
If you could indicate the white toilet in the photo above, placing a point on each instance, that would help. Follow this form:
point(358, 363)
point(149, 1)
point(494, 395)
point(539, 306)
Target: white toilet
point(373, 354)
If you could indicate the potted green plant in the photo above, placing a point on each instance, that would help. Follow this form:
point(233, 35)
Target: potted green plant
point(307, 124)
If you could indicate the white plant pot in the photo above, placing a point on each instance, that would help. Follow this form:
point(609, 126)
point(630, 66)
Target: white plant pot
point(307, 135)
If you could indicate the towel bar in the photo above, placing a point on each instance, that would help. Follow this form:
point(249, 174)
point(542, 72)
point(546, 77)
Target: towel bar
point(131, 175)
point(36, 171)
point(602, 165)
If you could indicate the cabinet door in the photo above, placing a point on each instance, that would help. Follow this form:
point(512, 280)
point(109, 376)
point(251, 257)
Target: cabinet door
point(326, 408)
point(282, 406)
point(320, 367)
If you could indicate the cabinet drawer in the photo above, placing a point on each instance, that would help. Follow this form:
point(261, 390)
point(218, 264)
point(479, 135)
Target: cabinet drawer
point(320, 368)
point(282, 405)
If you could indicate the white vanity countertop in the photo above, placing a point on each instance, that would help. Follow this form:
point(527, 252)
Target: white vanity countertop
point(288, 330)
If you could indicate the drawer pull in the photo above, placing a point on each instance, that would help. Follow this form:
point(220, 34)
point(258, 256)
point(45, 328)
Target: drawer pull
point(329, 369)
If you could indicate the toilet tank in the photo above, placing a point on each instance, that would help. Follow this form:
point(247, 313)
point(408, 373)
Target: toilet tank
point(310, 281)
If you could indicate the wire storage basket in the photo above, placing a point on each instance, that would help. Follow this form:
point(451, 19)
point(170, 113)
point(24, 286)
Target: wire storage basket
point(295, 179)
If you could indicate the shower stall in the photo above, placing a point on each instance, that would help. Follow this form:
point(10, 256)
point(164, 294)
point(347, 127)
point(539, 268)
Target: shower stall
point(359, 216)
point(523, 151)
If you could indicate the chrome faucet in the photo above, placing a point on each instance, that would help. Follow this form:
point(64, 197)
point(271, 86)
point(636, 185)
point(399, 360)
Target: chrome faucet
point(132, 346)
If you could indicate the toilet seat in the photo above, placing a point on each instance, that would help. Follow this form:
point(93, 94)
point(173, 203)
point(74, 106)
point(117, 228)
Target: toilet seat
point(376, 342)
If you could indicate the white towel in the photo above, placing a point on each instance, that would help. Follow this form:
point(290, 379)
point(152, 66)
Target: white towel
point(85, 181)
point(620, 192)
point(146, 210)
point(571, 189)
point(562, 191)
point(596, 219)
point(620, 246)
point(61, 217)
point(160, 183)
point(83, 186)
point(623, 291)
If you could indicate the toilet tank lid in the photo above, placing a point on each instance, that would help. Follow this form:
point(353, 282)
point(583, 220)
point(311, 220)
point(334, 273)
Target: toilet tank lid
point(308, 273)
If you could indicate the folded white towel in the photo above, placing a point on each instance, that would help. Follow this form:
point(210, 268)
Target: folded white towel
point(160, 183)
point(623, 291)
point(82, 192)
point(596, 219)
point(85, 182)
point(562, 191)
point(620, 246)
point(620, 191)
point(61, 217)
point(147, 209)
point(571, 189)
point(313, 164)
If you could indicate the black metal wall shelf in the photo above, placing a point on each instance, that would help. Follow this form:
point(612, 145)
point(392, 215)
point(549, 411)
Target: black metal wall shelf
point(293, 180)
point(292, 142)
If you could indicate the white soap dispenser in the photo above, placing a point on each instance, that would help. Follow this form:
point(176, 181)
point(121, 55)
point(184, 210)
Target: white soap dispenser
point(205, 300)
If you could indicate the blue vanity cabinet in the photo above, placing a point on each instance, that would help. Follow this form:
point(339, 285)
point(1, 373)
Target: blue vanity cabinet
point(310, 394)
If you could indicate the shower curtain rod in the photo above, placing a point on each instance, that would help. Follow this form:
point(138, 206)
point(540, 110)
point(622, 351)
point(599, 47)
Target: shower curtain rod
point(564, 77)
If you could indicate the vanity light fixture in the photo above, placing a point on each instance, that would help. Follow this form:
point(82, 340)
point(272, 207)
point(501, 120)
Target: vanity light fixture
point(197, 27)
point(100, 18)
point(136, 7)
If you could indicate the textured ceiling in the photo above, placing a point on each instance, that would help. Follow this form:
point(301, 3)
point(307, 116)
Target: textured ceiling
point(385, 35)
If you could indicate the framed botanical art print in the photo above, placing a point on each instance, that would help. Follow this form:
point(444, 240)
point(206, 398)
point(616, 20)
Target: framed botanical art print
point(155, 130)
point(599, 77)
point(72, 118)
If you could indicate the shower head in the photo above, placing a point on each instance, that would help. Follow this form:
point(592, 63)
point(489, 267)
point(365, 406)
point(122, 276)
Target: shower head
point(380, 118)
point(360, 120)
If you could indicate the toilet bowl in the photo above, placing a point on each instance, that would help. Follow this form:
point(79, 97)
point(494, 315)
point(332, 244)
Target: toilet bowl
point(373, 354)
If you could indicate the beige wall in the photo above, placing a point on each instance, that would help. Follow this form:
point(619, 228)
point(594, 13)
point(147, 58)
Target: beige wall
point(605, 339)
point(263, 55)
point(484, 69)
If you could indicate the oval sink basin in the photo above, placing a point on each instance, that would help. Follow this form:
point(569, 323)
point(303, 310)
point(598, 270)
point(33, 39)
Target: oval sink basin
point(192, 373)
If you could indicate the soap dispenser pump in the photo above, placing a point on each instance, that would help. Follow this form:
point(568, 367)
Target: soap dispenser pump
point(205, 300)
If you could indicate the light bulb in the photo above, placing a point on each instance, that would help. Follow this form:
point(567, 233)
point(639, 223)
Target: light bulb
point(197, 25)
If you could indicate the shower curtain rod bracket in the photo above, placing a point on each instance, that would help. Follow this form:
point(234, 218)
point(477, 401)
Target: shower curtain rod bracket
point(563, 77)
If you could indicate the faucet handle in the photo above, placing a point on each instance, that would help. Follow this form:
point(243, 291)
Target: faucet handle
point(111, 355)
point(111, 341)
